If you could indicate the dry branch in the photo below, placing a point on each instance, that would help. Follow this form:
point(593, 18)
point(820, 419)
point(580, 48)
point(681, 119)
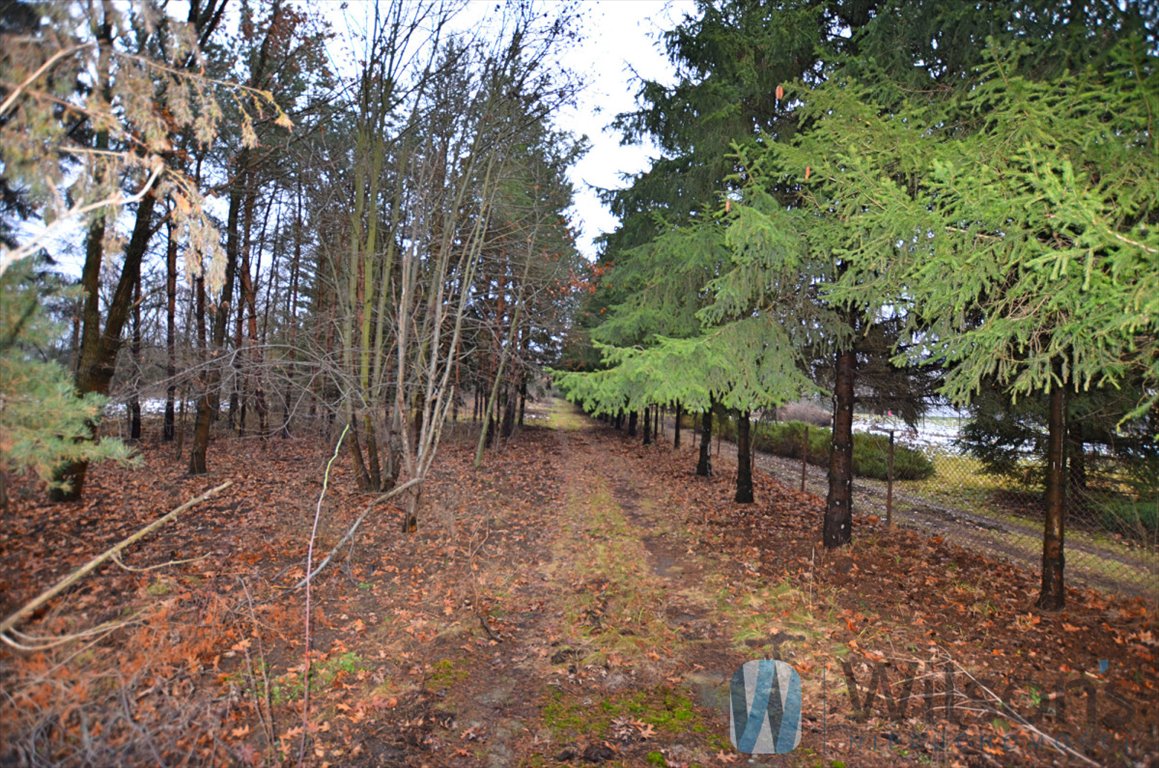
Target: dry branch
point(354, 527)
point(62, 585)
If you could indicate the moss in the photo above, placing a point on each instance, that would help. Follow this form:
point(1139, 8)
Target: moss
point(665, 709)
point(444, 674)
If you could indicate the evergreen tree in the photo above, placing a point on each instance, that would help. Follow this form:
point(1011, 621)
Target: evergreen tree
point(43, 422)
point(1013, 221)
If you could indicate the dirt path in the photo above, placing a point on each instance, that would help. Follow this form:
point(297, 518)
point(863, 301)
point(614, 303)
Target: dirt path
point(619, 657)
point(579, 600)
point(616, 610)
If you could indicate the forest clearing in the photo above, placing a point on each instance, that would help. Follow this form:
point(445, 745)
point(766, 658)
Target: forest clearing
point(582, 599)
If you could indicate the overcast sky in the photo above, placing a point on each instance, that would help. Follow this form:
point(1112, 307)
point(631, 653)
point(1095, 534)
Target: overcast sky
point(620, 37)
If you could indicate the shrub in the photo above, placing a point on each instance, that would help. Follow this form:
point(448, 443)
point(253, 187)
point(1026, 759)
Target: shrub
point(871, 459)
point(870, 451)
point(1138, 519)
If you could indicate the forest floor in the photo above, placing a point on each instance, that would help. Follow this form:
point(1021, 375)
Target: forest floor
point(992, 528)
point(582, 599)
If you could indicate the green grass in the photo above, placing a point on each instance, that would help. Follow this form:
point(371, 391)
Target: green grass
point(565, 416)
point(291, 686)
point(870, 451)
point(444, 675)
point(617, 607)
point(665, 709)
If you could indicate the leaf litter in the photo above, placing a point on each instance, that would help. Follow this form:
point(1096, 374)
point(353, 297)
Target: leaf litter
point(580, 599)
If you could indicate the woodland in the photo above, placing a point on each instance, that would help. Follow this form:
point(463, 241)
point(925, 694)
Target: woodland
point(321, 443)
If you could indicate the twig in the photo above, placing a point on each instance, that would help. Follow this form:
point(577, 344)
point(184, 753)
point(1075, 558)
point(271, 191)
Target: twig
point(1006, 710)
point(8, 257)
point(19, 89)
point(62, 585)
point(478, 606)
point(354, 527)
point(309, 564)
point(147, 568)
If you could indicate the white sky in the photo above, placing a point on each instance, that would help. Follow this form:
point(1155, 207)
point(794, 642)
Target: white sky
point(620, 37)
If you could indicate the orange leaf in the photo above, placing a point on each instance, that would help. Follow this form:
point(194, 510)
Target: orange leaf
point(780, 92)
point(808, 172)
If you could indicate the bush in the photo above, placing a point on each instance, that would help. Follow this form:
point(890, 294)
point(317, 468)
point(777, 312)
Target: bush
point(1137, 519)
point(870, 451)
point(806, 411)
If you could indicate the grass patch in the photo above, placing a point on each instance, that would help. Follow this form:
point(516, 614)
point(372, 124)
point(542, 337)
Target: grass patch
point(617, 603)
point(292, 686)
point(1136, 518)
point(444, 675)
point(870, 451)
point(565, 416)
point(665, 709)
point(766, 612)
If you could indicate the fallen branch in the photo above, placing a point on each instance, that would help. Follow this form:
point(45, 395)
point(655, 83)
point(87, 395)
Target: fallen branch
point(309, 564)
point(29, 644)
point(62, 585)
point(354, 527)
point(135, 569)
point(1006, 710)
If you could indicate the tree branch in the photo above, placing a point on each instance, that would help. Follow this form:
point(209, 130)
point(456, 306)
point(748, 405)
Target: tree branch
point(62, 585)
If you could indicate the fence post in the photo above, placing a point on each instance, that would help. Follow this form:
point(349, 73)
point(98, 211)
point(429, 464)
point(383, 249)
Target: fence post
point(804, 458)
point(889, 485)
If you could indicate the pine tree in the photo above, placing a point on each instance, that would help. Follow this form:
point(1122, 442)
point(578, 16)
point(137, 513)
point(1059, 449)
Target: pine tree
point(43, 422)
point(1013, 222)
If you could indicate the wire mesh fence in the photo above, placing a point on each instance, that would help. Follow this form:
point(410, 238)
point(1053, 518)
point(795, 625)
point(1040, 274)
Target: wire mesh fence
point(1112, 525)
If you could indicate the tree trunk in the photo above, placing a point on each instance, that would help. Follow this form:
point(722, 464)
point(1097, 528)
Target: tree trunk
point(209, 398)
point(523, 400)
point(292, 313)
point(135, 350)
point(744, 460)
point(98, 353)
point(704, 465)
point(361, 476)
point(648, 425)
point(90, 359)
point(236, 417)
point(168, 431)
point(1053, 595)
point(633, 420)
point(676, 439)
point(838, 528)
point(509, 409)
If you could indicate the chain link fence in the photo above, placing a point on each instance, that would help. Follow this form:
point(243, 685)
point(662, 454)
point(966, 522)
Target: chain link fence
point(1112, 533)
